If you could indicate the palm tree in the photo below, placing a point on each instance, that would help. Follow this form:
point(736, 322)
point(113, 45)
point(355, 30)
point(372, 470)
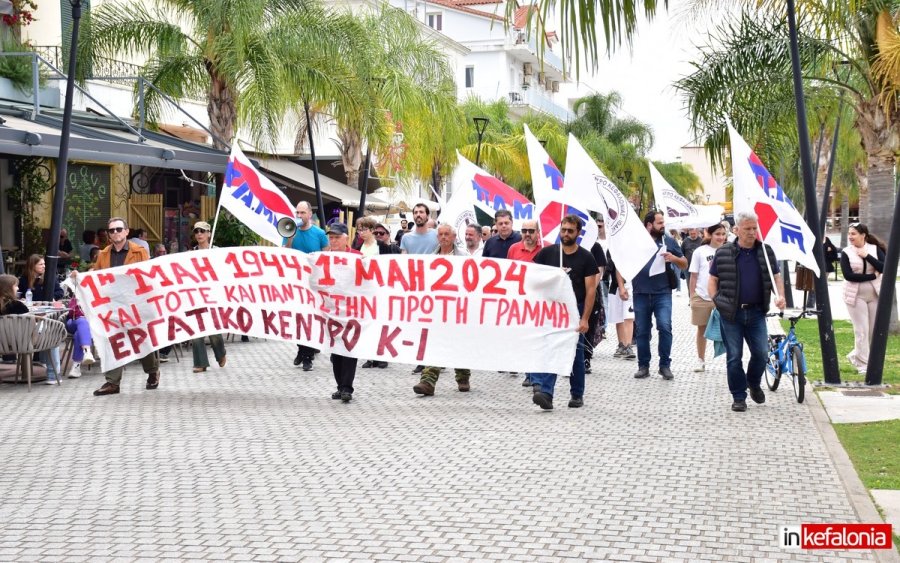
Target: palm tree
point(745, 72)
point(597, 112)
point(402, 75)
point(250, 59)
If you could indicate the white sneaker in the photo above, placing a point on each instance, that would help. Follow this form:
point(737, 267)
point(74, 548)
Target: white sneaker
point(49, 382)
point(88, 357)
point(75, 372)
point(700, 367)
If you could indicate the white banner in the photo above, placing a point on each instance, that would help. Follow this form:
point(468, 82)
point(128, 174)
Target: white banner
point(630, 245)
point(252, 198)
point(679, 212)
point(780, 224)
point(449, 311)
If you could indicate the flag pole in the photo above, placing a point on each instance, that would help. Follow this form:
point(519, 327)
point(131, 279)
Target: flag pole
point(212, 233)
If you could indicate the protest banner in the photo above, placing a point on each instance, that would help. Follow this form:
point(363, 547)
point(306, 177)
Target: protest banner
point(449, 311)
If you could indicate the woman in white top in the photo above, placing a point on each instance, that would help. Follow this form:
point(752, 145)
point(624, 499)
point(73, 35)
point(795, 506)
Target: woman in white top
point(701, 301)
point(861, 264)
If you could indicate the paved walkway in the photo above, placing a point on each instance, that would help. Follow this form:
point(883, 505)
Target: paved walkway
point(256, 462)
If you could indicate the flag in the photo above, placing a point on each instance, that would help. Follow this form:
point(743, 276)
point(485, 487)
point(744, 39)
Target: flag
point(630, 245)
point(458, 212)
point(252, 198)
point(488, 194)
point(780, 224)
point(547, 184)
point(679, 212)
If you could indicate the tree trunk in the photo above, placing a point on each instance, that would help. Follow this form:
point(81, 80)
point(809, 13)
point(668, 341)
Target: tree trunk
point(881, 194)
point(845, 219)
point(221, 107)
point(351, 154)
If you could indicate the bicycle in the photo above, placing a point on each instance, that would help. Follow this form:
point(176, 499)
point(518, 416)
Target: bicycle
point(786, 356)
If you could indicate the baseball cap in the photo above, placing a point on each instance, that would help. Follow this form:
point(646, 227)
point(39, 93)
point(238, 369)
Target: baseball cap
point(202, 225)
point(338, 228)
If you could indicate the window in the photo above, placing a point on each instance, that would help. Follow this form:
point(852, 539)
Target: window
point(435, 21)
point(470, 77)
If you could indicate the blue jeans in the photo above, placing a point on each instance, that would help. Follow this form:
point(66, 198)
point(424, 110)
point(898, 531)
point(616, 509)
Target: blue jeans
point(660, 306)
point(547, 381)
point(749, 325)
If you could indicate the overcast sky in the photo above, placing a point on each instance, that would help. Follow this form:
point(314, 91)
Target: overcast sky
point(644, 75)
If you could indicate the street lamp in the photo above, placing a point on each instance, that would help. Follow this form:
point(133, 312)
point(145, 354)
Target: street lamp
point(62, 164)
point(481, 124)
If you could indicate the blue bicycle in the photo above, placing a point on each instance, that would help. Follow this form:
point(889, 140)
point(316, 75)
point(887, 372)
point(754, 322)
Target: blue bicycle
point(786, 356)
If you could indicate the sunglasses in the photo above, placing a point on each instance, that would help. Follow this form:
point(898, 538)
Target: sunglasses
point(199, 230)
point(112, 230)
point(528, 231)
point(380, 233)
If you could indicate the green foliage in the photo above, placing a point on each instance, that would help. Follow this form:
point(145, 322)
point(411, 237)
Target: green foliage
point(231, 232)
point(31, 181)
point(17, 69)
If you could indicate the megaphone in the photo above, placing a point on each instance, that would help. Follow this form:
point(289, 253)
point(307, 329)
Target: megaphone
point(287, 226)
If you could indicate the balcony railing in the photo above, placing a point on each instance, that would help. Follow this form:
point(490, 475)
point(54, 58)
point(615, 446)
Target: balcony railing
point(521, 39)
point(536, 101)
point(102, 68)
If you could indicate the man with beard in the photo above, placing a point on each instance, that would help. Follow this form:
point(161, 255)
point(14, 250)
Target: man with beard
point(653, 297)
point(581, 267)
point(474, 245)
point(422, 240)
point(498, 245)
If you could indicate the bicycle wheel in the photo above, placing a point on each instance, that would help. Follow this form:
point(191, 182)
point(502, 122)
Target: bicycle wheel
point(798, 374)
point(773, 371)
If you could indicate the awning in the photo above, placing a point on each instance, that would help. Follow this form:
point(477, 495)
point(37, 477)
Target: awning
point(25, 137)
point(300, 178)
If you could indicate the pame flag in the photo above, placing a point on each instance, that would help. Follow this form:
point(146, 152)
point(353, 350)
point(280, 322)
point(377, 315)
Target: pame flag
point(489, 194)
point(679, 212)
point(547, 184)
point(252, 198)
point(780, 224)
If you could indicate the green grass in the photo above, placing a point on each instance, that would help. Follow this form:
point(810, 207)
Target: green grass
point(808, 334)
point(873, 448)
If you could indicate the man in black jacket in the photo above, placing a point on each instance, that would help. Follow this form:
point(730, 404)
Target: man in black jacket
point(741, 287)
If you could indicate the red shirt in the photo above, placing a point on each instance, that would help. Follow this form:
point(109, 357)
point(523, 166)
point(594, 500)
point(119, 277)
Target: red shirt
point(518, 251)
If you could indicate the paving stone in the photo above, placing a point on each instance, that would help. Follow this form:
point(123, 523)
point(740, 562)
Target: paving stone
point(256, 462)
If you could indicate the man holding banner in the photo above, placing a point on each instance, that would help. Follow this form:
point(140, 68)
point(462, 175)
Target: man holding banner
point(307, 238)
point(582, 270)
point(120, 252)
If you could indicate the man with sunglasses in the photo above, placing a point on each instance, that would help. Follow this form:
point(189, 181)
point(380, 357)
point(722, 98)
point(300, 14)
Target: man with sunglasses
point(307, 238)
point(383, 236)
point(525, 250)
point(120, 252)
point(580, 266)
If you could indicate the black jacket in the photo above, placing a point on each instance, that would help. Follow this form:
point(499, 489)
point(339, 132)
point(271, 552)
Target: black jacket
point(729, 289)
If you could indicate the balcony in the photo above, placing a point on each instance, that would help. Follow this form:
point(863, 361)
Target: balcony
point(102, 68)
point(526, 49)
point(537, 100)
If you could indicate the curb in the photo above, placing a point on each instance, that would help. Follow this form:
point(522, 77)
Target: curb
point(859, 496)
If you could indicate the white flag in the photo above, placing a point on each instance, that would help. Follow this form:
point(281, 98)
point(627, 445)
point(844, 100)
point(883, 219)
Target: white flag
point(458, 212)
point(547, 183)
point(630, 245)
point(679, 212)
point(252, 198)
point(780, 224)
point(489, 194)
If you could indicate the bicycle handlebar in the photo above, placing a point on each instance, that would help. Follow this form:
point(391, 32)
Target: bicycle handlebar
point(802, 314)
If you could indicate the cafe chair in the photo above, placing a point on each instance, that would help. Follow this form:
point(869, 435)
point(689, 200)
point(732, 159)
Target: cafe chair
point(24, 335)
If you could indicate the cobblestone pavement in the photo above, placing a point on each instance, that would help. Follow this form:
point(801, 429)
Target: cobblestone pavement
point(256, 462)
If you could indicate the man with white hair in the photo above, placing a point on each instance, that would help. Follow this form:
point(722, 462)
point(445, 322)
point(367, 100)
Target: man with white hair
point(741, 288)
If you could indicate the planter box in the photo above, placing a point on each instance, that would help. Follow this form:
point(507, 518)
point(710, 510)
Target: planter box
point(47, 96)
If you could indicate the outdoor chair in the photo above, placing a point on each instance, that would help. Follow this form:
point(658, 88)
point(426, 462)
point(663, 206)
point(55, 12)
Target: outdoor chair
point(24, 335)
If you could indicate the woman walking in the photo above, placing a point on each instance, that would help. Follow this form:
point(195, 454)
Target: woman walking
point(861, 264)
point(698, 287)
point(201, 358)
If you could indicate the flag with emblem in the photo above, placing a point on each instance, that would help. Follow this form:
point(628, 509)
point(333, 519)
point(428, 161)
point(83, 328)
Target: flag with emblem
point(630, 245)
point(547, 184)
point(489, 195)
point(252, 198)
point(780, 224)
point(680, 213)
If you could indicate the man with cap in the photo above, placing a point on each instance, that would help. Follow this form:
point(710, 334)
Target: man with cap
point(343, 367)
point(201, 359)
point(307, 238)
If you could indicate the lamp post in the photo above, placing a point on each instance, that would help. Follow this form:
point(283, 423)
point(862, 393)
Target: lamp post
point(320, 204)
point(481, 124)
point(62, 164)
point(641, 179)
